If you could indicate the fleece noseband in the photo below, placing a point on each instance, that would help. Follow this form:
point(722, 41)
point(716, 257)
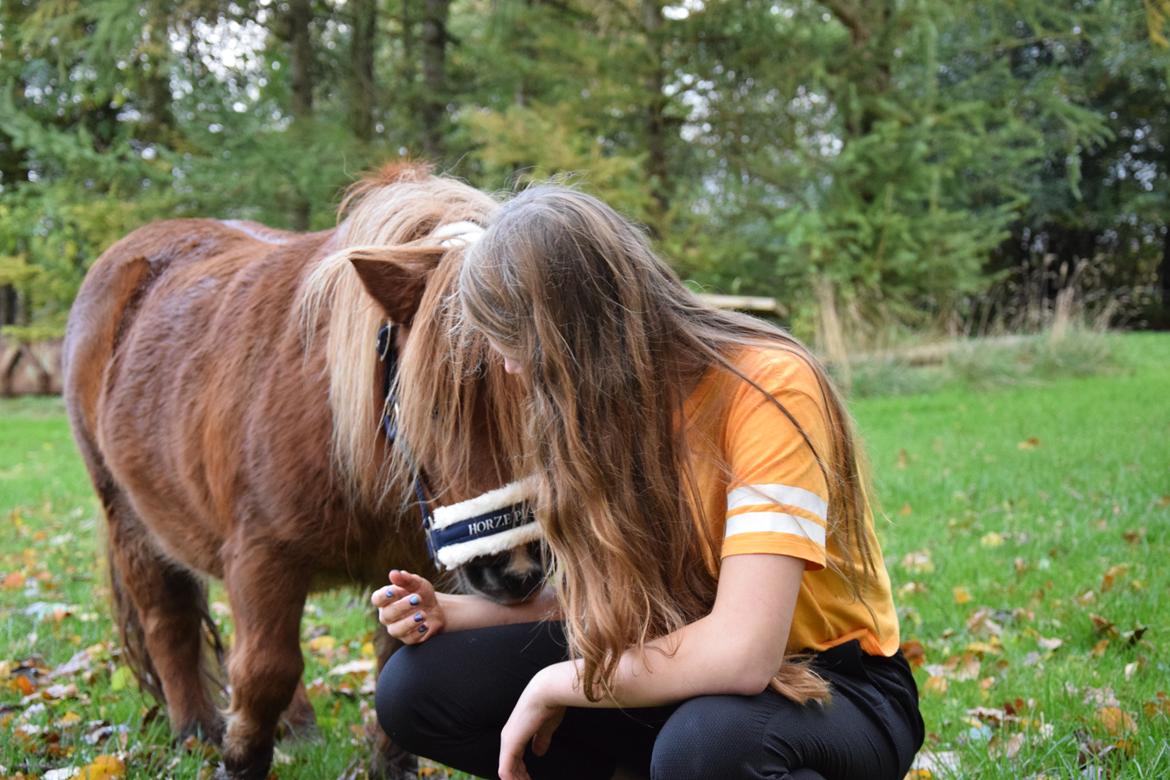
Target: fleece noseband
point(457, 534)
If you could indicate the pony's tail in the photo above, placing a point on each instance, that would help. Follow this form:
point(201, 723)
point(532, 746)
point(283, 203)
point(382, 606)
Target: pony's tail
point(135, 652)
point(130, 632)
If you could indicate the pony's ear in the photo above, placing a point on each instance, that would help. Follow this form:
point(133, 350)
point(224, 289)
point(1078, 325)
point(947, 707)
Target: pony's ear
point(395, 281)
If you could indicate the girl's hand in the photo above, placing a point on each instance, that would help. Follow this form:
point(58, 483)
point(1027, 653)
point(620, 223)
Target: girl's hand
point(533, 718)
point(409, 608)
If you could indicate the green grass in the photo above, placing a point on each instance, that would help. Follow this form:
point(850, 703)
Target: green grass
point(1025, 498)
point(1014, 501)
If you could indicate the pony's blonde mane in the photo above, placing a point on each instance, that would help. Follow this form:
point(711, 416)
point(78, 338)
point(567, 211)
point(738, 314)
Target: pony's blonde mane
point(392, 212)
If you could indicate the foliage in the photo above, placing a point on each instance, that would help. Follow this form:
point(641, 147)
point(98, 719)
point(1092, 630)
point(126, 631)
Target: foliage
point(903, 156)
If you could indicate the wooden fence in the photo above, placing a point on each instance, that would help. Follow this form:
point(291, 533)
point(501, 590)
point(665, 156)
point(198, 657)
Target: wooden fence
point(30, 368)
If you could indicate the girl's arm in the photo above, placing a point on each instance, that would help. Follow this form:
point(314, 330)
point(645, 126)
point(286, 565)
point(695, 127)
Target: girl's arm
point(464, 612)
point(412, 611)
point(736, 649)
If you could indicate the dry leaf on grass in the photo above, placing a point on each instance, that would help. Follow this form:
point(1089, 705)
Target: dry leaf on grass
point(1116, 721)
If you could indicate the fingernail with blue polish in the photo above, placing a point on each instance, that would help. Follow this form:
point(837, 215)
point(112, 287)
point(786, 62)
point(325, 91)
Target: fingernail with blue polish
point(414, 600)
point(422, 629)
point(418, 617)
point(389, 593)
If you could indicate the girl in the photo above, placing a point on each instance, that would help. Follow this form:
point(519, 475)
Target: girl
point(719, 607)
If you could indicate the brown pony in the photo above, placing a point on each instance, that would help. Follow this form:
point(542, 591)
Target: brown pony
point(224, 389)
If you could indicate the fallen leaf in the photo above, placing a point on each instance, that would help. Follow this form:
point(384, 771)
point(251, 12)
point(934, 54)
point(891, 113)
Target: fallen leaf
point(1006, 747)
point(62, 773)
point(1134, 536)
point(1103, 626)
point(918, 562)
point(104, 767)
point(944, 763)
point(1029, 443)
point(121, 678)
point(99, 731)
point(58, 692)
point(936, 684)
point(1101, 697)
point(906, 510)
point(363, 666)
point(81, 662)
point(981, 622)
point(1049, 644)
point(322, 645)
point(1159, 705)
point(910, 588)
point(22, 685)
point(68, 720)
point(962, 667)
point(1111, 574)
point(992, 539)
point(1099, 648)
point(1134, 636)
point(915, 653)
point(962, 595)
point(1116, 721)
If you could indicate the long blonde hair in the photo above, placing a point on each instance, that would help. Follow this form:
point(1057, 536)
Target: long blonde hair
point(388, 216)
point(613, 343)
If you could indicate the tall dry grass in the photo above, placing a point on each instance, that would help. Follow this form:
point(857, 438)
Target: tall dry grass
point(1050, 320)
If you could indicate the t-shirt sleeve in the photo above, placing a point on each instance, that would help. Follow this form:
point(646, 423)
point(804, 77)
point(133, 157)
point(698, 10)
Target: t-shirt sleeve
point(777, 500)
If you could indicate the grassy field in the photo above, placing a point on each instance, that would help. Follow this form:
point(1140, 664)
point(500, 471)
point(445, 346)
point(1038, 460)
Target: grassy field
point(1025, 533)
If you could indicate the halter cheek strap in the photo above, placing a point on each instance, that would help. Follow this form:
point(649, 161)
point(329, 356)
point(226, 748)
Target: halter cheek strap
point(457, 534)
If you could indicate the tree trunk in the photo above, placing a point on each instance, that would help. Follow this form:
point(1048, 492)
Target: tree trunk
point(434, 72)
point(300, 16)
point(1164, 278)
point(655, 116)
point(159, 118)
point(363, 97)
point(8, 304)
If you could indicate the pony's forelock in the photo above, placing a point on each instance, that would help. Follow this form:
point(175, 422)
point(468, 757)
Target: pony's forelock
point(394, 208)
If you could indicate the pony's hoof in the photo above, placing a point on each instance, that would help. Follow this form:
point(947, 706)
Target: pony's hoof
point(254, 766)
point(209, 731)
point(223, 773)
point(299, 732)
point(393, 763)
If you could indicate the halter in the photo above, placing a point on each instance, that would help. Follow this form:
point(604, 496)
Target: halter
point(491, 523)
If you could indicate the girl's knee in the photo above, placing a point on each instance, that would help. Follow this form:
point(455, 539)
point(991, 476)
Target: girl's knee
point(704, 738)
point(400, 696)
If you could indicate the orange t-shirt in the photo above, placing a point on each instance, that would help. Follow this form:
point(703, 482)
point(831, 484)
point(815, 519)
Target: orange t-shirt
point(763, 492)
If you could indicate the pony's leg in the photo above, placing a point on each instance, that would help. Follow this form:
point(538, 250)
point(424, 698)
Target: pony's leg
point(389, 761)
point(267, 591)
point(165, 625)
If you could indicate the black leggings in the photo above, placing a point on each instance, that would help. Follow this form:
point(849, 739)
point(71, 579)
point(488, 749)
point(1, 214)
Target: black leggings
point(448, 698)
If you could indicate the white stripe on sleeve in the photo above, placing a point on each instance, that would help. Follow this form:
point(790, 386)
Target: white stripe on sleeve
point(787, 495)
point(775, 522)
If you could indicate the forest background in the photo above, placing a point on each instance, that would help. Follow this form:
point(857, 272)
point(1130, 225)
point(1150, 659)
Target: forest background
point(881, 167)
